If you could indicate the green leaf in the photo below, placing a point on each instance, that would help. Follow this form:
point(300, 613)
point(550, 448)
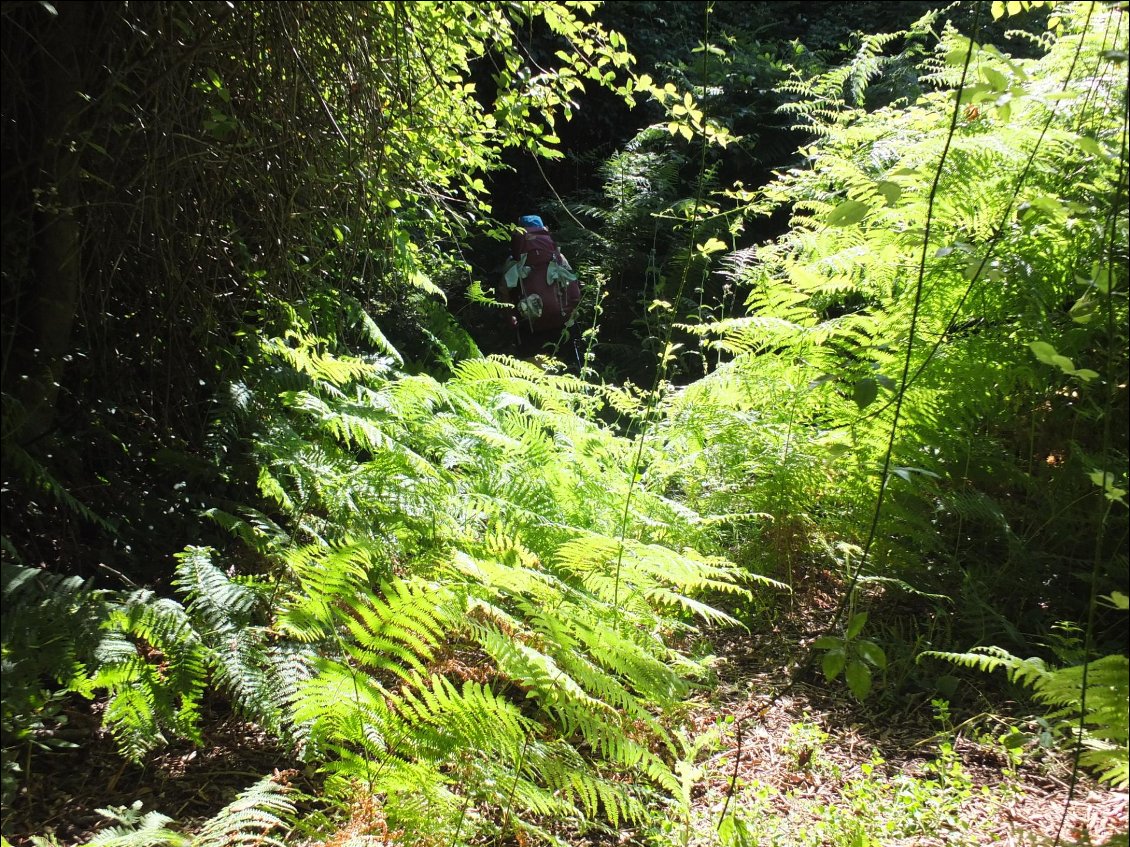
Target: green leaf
point(995, 78)
point(1105, 480)
point(847, 213)
point(977, 93)
point(1101, 278)
point(855, 625)
point(712, 245)
point(866, 390)
point(1118, 600)
point(947, 685)
point(833, 663)
point(1085, 310)
point(872, 652)
point(1090, 146)
point(1064, 364)
point(956, 57)
point(858, 678)
point(891, 191)
point(827, 642)
point(1014, 739)
point(908, 473)
point(1043, 351)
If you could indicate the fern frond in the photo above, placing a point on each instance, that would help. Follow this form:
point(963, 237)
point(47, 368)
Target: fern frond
point(1107, 724)
point(250, 818)
point(988, 659)
point(301, 352)
point(397, 631)
point(325, 577)
point(220, 602)
point(138, 830)
point(35, 473)
point(153, 666)
point(361, 318)
point(542, 677)
point(473, 717)
point(255, 529)
point(338, 707)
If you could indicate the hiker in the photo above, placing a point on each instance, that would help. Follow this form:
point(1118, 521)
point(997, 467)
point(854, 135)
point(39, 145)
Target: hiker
point(541, 286)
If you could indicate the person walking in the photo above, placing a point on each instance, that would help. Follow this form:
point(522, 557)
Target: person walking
point(540, 286)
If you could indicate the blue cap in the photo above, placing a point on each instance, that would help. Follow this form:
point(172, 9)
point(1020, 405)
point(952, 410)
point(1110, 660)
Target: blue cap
point(531, 222)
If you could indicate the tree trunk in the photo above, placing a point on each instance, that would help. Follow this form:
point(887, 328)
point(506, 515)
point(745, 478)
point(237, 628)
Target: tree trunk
point(56, 260)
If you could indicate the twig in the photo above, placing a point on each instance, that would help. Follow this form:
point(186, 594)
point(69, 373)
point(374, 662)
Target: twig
point(734, 775)
point(740, 730)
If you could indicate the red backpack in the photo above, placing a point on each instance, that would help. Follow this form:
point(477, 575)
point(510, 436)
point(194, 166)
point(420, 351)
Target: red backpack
point(549, 280)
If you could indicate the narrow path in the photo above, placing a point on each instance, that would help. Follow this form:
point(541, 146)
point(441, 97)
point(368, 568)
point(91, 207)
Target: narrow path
point(813, 769)
point(818, 768)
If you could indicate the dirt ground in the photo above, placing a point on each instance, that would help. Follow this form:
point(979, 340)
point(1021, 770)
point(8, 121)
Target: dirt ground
point(756, 742)
point(1024, 804)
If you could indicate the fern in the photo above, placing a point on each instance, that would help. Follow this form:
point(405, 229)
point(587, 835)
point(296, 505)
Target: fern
point(249, 819)
point(49, 622)
point(836, 96)
point(397, 631)
point(135, 829)
point(816, 357)
point(1106, 725)
point(472, 628)
point(141, 651)
point(35, 473)
point(221, 604)
point(442, 518)
point(150, 661)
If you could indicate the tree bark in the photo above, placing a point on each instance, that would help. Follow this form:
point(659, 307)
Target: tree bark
point(56, 249)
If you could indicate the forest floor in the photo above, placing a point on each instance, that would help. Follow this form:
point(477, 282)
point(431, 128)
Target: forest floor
point(817, 768)
point(814, 768)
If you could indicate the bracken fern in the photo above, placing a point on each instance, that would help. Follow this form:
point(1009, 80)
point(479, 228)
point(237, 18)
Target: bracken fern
point(474, 643)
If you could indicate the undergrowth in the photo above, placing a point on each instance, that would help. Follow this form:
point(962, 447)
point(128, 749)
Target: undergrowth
point(468, 603)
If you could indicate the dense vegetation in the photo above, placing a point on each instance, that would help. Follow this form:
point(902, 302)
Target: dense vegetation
point(855, 317)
